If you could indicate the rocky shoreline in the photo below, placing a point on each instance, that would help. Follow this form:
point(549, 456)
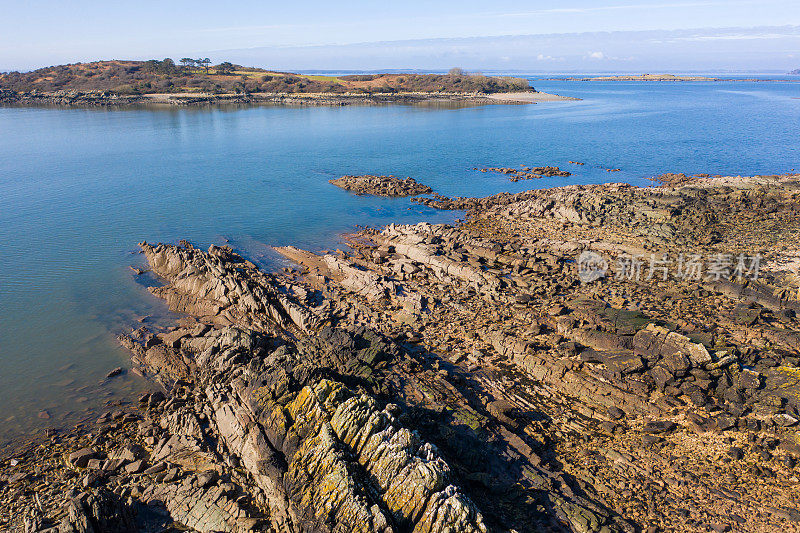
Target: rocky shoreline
point(476, 377)
point(109, 99)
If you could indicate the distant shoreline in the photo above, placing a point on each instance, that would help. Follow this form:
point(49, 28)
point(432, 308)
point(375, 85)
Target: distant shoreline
point(107, 99)
point(664, 78)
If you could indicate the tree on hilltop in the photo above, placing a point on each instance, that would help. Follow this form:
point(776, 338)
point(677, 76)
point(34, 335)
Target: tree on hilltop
point(204, 63)
point(226, 67)
point(166, 66)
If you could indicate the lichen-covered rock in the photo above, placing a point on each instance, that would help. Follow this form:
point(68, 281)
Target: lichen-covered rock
point(404, 474)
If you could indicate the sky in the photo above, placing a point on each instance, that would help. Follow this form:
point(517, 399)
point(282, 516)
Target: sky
point(569, 35)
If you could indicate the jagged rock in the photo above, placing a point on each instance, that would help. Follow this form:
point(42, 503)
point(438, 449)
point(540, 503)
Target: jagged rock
point(100, 512)
point(749, 379)
point(624, 363)
point(81, 457)
point(784, 420)
point(616, 413)
point(407, 472)
point(136, 467)
point(204, 286)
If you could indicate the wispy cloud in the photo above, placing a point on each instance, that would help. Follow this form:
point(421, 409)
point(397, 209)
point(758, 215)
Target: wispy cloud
point(758, 48)
point(628, 7)
point(247, 28)
point(739, 37)
point(466, 16)
point(602, 56)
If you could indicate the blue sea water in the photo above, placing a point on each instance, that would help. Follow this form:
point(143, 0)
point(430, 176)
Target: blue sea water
point(79, 188)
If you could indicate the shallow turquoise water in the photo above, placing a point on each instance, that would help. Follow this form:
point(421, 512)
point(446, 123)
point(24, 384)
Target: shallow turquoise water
point(80, 187)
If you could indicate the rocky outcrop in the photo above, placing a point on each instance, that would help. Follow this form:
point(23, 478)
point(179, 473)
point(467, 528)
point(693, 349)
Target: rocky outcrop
point(93, 513)
point(224, 289)
point(316, 451)
point(410, 479)
point(319, 458)
point(463, 378)
point(527, 173)
point(381, 185)
point(503, 283)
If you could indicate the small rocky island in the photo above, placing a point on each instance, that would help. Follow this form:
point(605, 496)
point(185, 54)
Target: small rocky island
point(381, 185)
point(527, 173)
point(590, 358)
point(668, 78)
point(647, 77)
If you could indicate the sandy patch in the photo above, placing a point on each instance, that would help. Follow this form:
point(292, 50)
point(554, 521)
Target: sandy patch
point(529, 97)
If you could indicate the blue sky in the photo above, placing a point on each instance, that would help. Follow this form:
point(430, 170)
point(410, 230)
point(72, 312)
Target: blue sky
point(45, 32)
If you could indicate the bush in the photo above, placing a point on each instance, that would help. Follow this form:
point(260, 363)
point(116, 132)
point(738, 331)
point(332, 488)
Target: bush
point(360, 77)
point(125, 90)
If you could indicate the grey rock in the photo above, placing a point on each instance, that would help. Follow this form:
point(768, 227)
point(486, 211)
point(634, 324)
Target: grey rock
point(207, 478)
point(784, 420)
point(136, 467)
point(156, 468)
point(81, 457)
point(615, 412)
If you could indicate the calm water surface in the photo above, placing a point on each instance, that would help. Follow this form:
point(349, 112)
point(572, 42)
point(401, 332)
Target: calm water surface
point(80, 187)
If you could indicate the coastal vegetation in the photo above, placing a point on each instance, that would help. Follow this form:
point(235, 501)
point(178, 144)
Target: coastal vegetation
point(199, 76)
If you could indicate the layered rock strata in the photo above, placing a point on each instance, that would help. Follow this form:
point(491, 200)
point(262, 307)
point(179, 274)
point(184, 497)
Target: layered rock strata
point(467, 378)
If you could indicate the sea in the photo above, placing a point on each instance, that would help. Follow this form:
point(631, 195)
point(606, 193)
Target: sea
point(80, 187)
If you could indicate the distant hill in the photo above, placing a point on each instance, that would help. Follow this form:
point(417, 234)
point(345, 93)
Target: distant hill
point(795, 72)
point(154, 77)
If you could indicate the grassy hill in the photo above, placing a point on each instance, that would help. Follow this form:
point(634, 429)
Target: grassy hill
point(154, 77)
